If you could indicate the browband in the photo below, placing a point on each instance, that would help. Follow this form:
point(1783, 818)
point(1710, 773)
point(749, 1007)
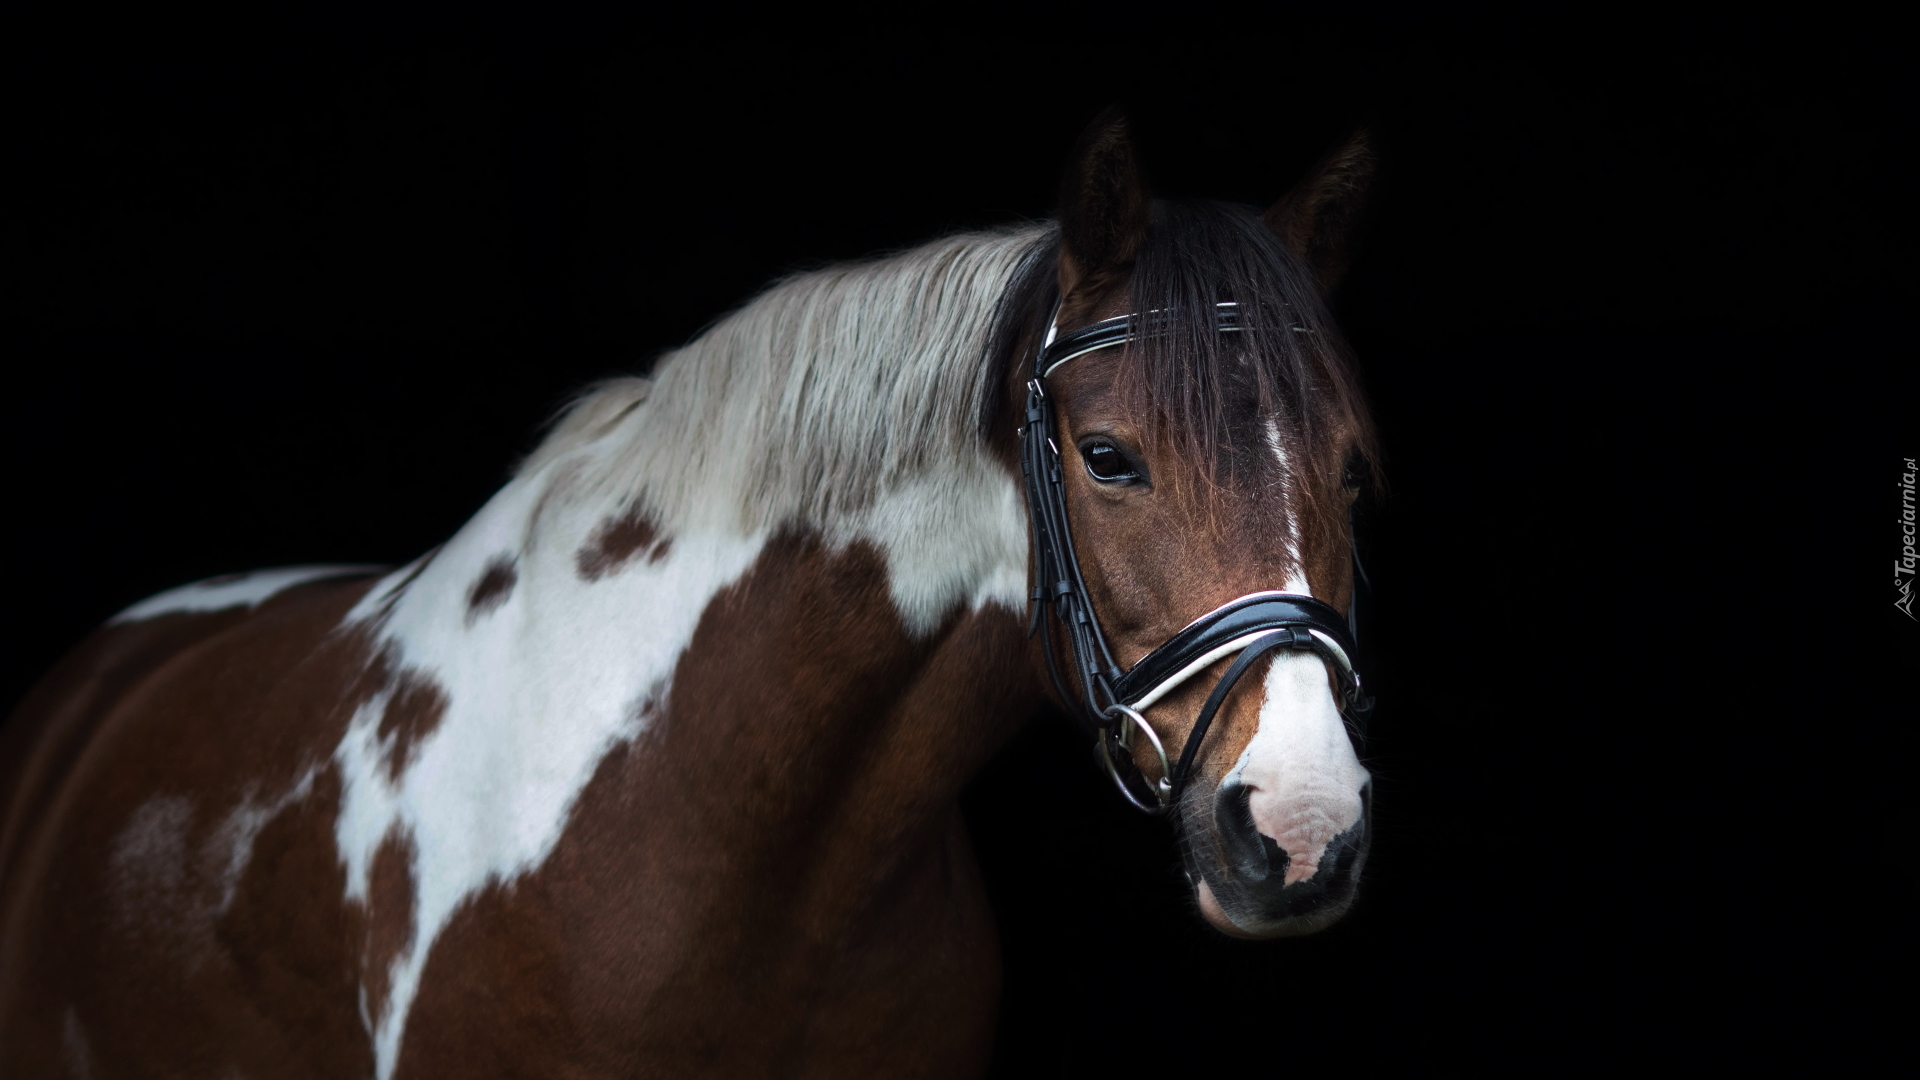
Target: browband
point(1117, 331)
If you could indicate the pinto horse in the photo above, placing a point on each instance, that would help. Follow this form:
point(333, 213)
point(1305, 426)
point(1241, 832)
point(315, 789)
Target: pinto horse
point(653, 768)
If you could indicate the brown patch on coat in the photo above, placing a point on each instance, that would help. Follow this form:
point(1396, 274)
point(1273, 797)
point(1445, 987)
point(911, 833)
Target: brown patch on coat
point(414, 710)
point(492, 587)
point(390, 916)
point(617, 541)
point(287, 939)
point(227, 720)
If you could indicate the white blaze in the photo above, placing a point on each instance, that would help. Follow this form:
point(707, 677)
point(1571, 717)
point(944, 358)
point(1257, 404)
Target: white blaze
point(1305, 776)
point(1296, 571)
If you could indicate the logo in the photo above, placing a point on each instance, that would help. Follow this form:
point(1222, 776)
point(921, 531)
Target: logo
point(1903, 566)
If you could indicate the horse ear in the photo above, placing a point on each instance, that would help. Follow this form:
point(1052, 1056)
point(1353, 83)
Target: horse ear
point(1103, 204)
point(1316, 218)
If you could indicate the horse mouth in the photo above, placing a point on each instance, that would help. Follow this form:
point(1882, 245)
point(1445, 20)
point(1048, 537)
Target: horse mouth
point(1250, 889)
point(1247, 924)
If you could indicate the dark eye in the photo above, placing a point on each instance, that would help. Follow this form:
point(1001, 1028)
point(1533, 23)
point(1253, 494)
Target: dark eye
point(1106, 463)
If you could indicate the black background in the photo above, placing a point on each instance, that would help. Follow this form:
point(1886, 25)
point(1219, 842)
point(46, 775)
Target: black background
point(1629, 303)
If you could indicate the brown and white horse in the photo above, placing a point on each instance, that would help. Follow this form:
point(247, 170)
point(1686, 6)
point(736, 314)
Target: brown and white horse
point(652, 768)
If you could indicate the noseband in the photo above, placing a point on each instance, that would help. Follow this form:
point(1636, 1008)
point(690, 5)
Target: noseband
point(1110, 701)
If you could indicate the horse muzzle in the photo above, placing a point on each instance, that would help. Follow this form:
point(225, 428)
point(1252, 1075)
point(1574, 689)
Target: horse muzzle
point(1249, 885)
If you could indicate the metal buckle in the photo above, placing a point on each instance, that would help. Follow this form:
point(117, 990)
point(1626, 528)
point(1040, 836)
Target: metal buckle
point(1120, 735)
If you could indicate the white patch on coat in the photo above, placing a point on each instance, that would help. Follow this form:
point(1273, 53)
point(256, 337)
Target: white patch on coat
point(953, 536)
point(537, 694)
point(843, 404)
point(1305, 776)
point(234, 590)
point(172, 879)
point(150, 870)
point(227, 851)
point(163, 899)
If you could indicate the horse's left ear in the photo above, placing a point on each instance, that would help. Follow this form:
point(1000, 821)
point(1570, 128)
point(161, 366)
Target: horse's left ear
point(1316, 218)
point(1103, 205)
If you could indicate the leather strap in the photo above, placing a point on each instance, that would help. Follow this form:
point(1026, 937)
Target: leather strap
point(1261, 647)
point(1118, 331)
point(1201, 642)
point(1057, 582)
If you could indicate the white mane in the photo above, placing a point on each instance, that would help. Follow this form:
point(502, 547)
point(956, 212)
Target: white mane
point(805, 405)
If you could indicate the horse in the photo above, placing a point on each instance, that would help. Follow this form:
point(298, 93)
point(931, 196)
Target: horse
point(653, 768)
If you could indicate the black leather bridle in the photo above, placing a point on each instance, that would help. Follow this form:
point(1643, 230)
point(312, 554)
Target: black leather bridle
point(1110, 701)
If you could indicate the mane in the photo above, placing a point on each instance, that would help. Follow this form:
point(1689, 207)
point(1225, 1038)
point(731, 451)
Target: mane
point(810, 400)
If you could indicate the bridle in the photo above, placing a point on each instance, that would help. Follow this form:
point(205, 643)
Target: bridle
point(1110, 701)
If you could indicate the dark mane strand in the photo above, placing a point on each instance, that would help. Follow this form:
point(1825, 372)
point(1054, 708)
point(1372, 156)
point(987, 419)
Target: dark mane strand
point(1289, 361)
point(1020, 317)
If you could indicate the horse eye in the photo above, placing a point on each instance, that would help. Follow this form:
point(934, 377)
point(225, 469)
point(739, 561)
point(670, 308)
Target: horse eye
point(1106, 463)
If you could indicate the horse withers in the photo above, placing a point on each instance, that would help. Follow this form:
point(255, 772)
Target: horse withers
point(653, 767)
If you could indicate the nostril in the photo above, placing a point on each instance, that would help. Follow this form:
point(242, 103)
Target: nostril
point(1332, 882)
point(1340, 865)
point(1277, 856)
point(1251, 855)
point(1262, 882)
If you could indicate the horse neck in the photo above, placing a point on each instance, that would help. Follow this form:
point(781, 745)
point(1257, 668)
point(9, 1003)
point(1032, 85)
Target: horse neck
point(759, 674)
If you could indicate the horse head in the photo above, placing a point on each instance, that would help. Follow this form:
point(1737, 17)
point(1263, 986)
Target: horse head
point(1208, 457)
